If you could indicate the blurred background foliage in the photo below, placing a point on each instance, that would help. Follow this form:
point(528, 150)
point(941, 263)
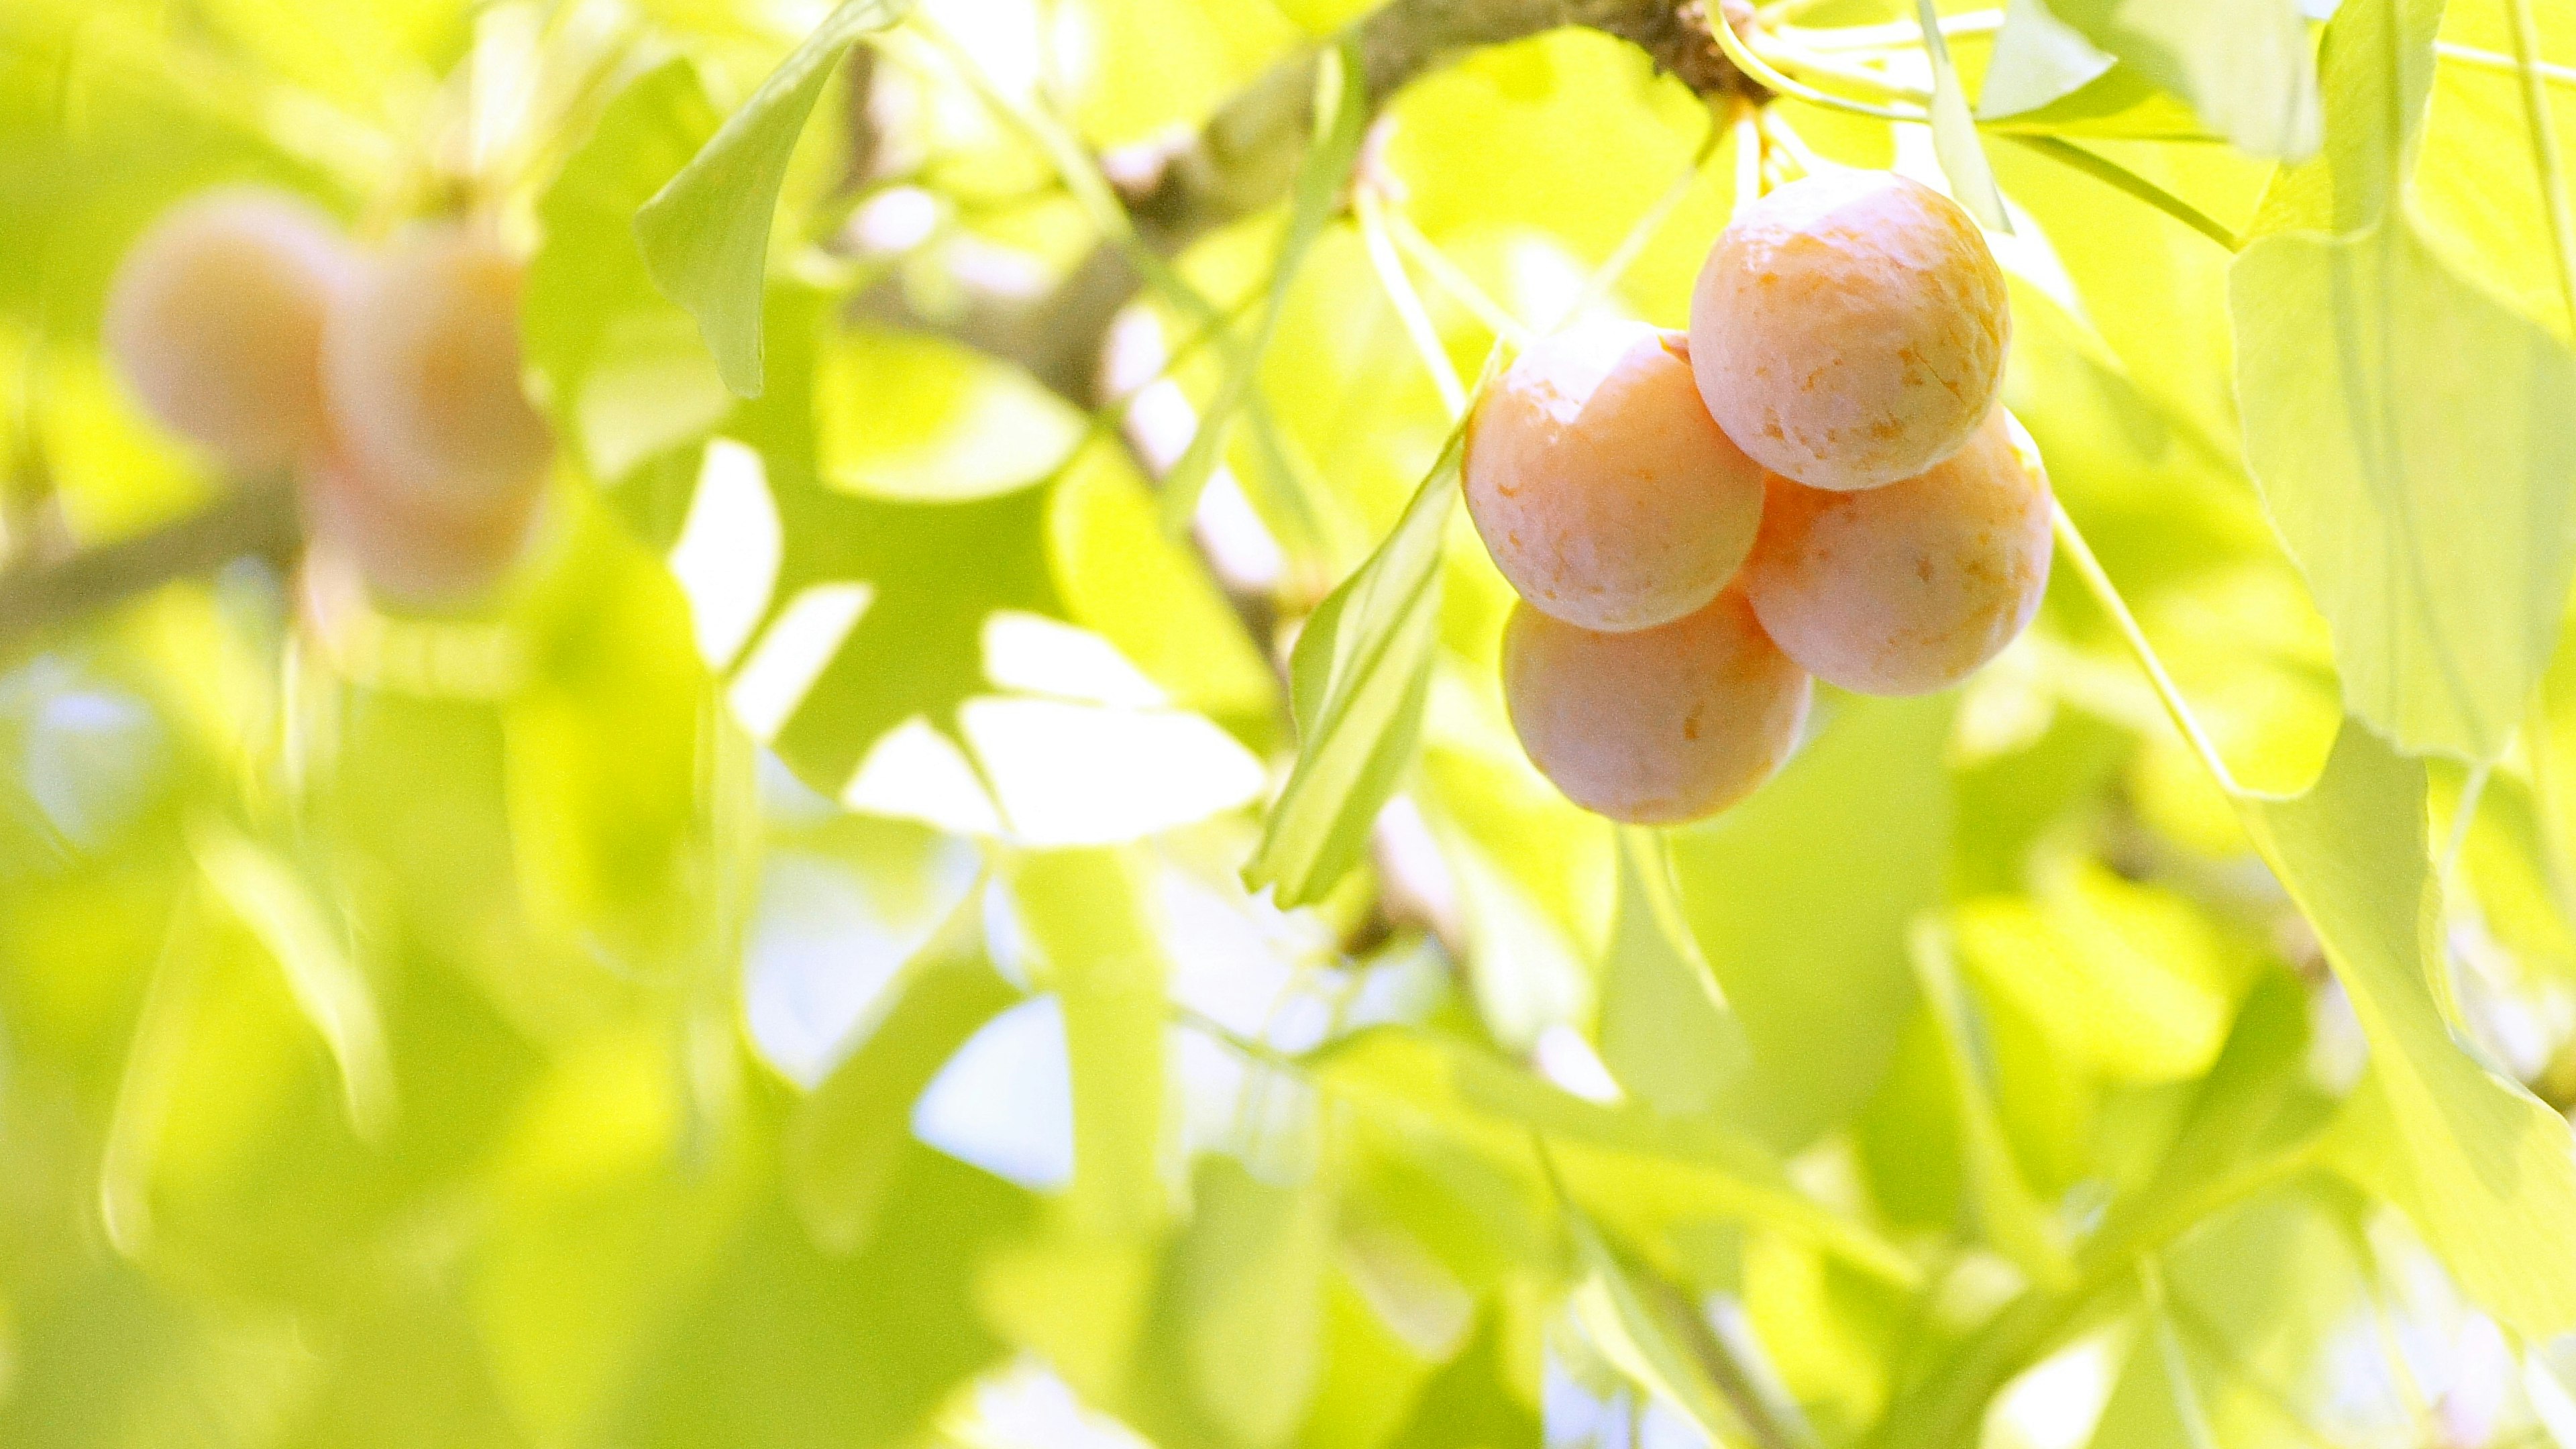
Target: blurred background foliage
point(785, 973)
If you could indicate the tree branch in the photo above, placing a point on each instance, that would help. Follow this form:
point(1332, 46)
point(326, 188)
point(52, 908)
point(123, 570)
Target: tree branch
point(1241, 161)
point(1246, 156)
point(41, 595)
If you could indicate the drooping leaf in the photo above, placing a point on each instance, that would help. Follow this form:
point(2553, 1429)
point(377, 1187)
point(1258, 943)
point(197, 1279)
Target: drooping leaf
point(2037, 59)
point(2401, 421)
point(2410, 434)
point(1634, 1325)
point(2245, 65)
point(706, 233)
point(2009, 1213)
point(312, 950)
point(1954, 131)
point(1868, 794)
point(1666, 1033)
point(1360, 673)
point(2487, 1171)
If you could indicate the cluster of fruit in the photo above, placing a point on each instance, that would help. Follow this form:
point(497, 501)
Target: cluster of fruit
point(247, 322)
point(1815, 482)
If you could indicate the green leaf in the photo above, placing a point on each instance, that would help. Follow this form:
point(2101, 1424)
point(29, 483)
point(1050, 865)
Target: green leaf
point(1358, 679)
point(1341, 119)
point(2410, 435)
point(706, 233)
point(618, 367)
point(1618, 1161)
point(2487, 1172)
point(1954, 131)
point(1868, 794)
point(1637, 1333)
point(2256, 1099)
point(2037, 59)
point(1087, 916)
point(1252, 1268)
point(845, 1141)
point(2010, 1215)
point(1666, 1033)
point(2245, 65)
point(2375, 69)
point(328, 986)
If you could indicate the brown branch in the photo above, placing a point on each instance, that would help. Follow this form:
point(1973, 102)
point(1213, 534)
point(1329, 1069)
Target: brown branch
point(1241, 161)
point(1246, 155)
point(42, 595)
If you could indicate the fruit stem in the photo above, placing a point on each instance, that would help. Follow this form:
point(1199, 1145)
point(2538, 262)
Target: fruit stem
point(1769, 77)
point(2070, 540)
point(2103, 169)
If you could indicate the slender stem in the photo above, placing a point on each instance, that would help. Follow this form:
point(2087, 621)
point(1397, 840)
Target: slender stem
point(1400, 294)
point(2558, 853)
point(1449, 277)
point(2463, 815)
point(1643, 229)
point(2070, 540)
point(2103, 169)
point(1778, 134)
point(1769, 77)
point(2470, 55)
point(1794, 57)
point(1894, 35)
point(2544, 148)
point(2177, 1363)
point(1748, 152)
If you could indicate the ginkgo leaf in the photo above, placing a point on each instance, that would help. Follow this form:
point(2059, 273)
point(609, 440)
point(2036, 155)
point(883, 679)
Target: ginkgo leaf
point(1359, 676)
point(2408, 430)
point(706, 233)
point(2411, 437)
point(2245, 65)
point(1252, 1266)
point(1954, 131)
point(1666, 1033)
point(2486, 1170)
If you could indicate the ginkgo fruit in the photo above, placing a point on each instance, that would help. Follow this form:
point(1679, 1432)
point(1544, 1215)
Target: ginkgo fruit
point(1654, 726)
point(215, 320)
point(1908, 588)
point(416, 553)
point(420, 362)
point(1849, 329)
point(1602, 488)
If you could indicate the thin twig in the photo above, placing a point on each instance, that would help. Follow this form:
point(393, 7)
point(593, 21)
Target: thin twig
point(39, 597)
point(2070, 540)
point(2544, 147)
point(2102, 168)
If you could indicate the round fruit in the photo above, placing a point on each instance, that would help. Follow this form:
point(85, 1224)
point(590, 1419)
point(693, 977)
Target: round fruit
point(215, 320)
point(1849, 329)
point(1908, 588)
point(1654, 726)
point(420, 362)
point(416, 553)
point(1602, 488)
